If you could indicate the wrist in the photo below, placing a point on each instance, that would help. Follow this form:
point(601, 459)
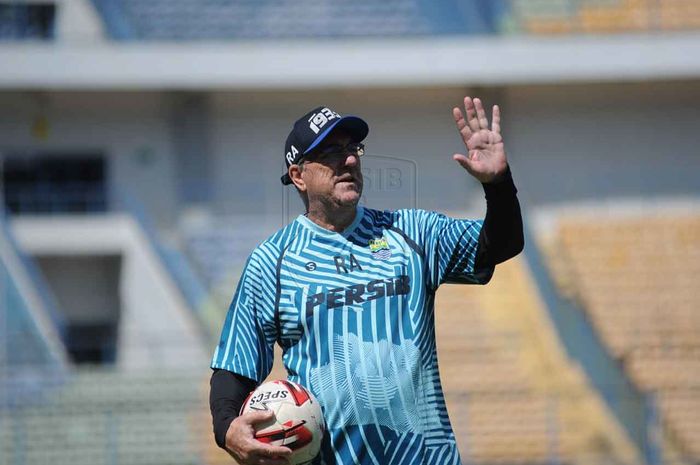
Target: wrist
point(502, 185)
point(500, 177)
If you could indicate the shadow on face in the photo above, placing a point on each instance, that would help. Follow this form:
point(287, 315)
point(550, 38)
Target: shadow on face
point(332, 172)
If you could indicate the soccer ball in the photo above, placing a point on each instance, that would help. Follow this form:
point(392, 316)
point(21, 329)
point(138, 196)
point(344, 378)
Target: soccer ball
point(298, 423)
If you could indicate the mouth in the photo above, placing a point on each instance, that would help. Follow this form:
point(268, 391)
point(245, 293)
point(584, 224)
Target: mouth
point(346, 178)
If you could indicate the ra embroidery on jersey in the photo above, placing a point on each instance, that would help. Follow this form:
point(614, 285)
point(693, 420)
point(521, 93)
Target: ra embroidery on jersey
point(379, 247)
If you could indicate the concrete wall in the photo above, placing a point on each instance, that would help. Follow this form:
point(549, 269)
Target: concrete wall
point(156, 328)
point(412, 126)
point(131, 129)
point(86, 287)
point(78, 22)
point(565, 143)
point(87, 291)
point(29, 323)
point(589, 142)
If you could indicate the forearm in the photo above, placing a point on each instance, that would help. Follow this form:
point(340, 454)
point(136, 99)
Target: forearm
point(501, 236)
point(226, 397)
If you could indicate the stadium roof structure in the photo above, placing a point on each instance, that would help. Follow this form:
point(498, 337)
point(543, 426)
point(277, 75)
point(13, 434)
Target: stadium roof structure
point(360, 62)
point(311, 44)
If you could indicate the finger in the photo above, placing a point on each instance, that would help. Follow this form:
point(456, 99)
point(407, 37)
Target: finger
point(471, 114)
point(266, 451)
point(273, 461)
point(481, 114)
point(496, 123)
point(260, 416)
point(461, 124)
point(459, 118)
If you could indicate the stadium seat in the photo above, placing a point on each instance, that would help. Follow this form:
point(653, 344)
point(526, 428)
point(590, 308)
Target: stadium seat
point(547, 17)
point(493, 359)
point(636, 278)
point(102, 417)
point(678, 14)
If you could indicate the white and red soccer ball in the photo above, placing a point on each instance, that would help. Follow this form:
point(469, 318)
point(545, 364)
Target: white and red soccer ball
point(298, 423)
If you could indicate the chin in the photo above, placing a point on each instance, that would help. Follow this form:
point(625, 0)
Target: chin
point(349, 198)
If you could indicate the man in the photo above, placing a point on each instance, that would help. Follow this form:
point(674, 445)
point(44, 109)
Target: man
point(348, 293)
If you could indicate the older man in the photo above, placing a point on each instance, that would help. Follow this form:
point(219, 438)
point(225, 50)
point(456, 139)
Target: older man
point(348, 293)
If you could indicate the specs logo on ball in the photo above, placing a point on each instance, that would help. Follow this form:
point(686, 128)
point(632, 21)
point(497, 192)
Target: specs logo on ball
point(318, 120)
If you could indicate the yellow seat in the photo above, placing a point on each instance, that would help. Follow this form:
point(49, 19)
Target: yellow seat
point(636, 277)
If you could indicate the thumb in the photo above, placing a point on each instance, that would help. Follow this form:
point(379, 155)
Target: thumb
point(463, 160)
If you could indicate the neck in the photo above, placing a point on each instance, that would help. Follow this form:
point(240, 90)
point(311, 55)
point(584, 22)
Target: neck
point(333, 218)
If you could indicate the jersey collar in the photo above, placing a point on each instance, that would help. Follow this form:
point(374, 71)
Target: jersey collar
point(359, 213)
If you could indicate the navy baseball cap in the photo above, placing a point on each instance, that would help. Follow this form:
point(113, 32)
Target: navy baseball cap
point(312, 128)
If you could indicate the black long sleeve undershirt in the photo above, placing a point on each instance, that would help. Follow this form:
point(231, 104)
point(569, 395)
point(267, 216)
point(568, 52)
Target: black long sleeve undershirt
point(226, 397)
point(501, 238)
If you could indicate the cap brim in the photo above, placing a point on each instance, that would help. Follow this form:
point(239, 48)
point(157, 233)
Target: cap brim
point(354, 126)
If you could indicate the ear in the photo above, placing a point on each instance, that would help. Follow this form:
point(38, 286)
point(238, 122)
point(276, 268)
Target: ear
point(295, 172)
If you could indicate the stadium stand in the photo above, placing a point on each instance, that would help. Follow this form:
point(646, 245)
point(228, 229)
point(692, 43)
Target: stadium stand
point(601, 16)
point(219, 247)
point(513, 395)
point(196, 20)
point(543, 17)
point(635, 277)
point(101, 416)
point(245, 19)
point(628, 15)
point(53, 410)
point(678, 14)
point(498, 353)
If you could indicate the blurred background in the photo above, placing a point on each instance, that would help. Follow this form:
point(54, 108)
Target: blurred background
point(141, 145)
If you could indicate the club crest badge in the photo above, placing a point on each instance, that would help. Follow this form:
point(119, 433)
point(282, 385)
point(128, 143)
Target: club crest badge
point(379, 247)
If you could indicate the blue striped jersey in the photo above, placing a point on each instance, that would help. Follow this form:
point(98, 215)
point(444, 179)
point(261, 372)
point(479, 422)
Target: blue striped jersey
point(354, 315)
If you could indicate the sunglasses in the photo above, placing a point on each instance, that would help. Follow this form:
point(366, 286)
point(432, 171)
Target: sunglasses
point(336, 152)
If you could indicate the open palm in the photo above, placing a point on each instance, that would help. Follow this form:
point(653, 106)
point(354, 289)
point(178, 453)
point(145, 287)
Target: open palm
point(486, 159)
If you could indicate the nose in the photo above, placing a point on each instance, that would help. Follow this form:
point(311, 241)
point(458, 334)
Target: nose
point(352, 159)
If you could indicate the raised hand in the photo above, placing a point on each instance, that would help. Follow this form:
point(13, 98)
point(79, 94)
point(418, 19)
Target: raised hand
point(486, 157)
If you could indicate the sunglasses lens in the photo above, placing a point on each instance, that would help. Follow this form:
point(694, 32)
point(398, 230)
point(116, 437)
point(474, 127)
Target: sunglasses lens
point(339, 151)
